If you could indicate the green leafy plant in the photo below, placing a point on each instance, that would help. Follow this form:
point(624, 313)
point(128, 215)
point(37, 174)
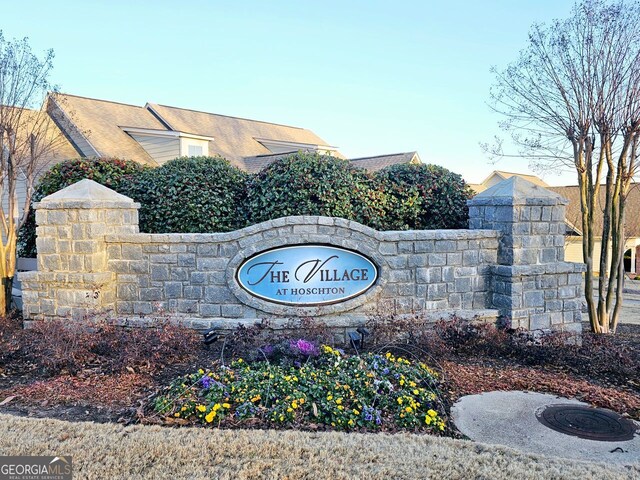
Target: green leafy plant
point(312, 184)
point(190, 194)
point(368, 391)
point(424, 197)
point(110, 172)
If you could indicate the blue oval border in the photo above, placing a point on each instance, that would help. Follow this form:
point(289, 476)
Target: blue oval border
point(307, 305)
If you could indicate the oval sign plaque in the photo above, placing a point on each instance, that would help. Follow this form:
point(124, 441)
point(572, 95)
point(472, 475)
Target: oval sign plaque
point(307, 275)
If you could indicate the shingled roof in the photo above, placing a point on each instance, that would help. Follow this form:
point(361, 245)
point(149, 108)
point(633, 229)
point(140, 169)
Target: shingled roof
point(100, 127)
point(236, 138)
point(574, 214)
point(99, 122)
point(381, 161)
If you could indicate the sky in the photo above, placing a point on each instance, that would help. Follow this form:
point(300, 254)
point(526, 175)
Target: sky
point(370, 77)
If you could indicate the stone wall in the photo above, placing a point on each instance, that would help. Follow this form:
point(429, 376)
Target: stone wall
point(92, 260)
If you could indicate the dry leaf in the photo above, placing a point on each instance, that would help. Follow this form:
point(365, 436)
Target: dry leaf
point(7, 400)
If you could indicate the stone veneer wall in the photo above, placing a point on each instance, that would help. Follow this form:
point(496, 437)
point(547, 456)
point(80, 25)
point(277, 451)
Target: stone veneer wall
point(92, 260)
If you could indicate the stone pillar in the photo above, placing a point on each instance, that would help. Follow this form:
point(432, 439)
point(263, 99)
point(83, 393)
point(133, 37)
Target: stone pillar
point(532, 286)
point(72, 280)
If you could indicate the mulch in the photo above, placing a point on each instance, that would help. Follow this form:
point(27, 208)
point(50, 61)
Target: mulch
point(107, 397)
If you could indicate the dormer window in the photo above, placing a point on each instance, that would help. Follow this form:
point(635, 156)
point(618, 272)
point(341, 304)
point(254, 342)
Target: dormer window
point(195, 150)
point(165, 145)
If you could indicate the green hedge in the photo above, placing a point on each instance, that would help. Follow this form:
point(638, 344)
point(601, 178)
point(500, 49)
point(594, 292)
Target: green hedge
point(190, 194)
point(311, 184)
point(424, 197)
point(208, 194)
point(110, 172)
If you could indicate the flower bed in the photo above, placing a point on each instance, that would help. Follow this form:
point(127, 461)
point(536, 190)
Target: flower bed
point(325, 387)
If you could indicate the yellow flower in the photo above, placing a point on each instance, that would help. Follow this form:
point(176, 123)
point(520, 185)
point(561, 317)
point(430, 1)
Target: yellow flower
point(240, 360)
point(201, 408)
point(201, 372)
point(432, 413)
point(339, 400)
point(340, 407)
point(329, 397)
point(216, 407)
point(416, 392)
point(399, 400)
point(351, 422)
point(356, 412)
point(408, 409)
point(226, 405)
point(301, 401)
point(289, 409)
point(210, 416)
point(427, 419)
point(177, 414)
point(294, 404)
point(256, 398)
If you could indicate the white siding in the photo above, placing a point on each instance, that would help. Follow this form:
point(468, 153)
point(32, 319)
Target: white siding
point(161, 149)
point(185, 142)
point(21, 191)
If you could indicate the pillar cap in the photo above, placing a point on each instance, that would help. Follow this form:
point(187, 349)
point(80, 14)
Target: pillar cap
point(517, 191)
point(86, 194)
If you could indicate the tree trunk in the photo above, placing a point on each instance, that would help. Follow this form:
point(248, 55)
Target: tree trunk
point(6, 295)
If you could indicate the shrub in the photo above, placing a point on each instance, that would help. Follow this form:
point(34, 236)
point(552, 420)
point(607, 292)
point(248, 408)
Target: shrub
point(190, 194)
point(110, 172)
point(312, 184)
point(424, 197)
point(58, 345)
point(368, 391)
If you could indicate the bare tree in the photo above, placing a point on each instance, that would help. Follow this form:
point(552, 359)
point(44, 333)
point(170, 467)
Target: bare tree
point(28, 141)
point(573, 98)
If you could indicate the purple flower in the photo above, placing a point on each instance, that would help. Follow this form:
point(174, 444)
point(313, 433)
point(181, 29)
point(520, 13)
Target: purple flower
point(206, 382)
point(304, 347)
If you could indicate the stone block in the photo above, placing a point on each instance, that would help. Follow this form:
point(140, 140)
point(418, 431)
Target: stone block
point(164, 258)
point(160, 272)
point(533, 299)
point(405, 247)
point(463, 285)
point(388, 248)
point(151, 294)
point(437, 291)
point(445, 246)
point(198, 278)
point(211, 263)
point(231, 311)
point(142, 308)
point(454, 258)
point(187, 306)
point(180, 274)
point(540, 321)
point(173, 290)
point(132, 251)
point(424, 246)
point(437, 259)
point(217, 295)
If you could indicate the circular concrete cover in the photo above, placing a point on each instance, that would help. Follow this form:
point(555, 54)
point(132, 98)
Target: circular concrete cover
point(509, 418)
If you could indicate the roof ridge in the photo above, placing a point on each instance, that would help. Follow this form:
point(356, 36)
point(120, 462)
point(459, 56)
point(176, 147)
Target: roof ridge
point(383, 155)
point(230, 116)
point(99, 100)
